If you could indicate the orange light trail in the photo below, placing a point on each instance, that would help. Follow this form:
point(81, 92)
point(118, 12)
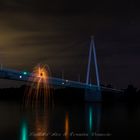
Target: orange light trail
point(67, 126)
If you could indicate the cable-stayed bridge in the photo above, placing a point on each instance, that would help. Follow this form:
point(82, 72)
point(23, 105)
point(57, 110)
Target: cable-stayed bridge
point(93, 91)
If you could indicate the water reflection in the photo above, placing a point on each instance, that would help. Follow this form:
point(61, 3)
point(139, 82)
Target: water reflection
point(80, 119)
point(45, 124)
point(41, 124)
point(90, 119)
point(24, 131)
point(67, 131)
point(93, 118)
point(38, 119)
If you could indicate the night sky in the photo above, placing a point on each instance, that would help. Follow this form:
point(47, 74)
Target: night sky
point(57, 33)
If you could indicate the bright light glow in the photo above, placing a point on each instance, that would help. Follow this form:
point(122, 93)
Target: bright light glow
point(24, 72)
point(38, 91)
point(24, 131)
point(63, 83)
point(20, 76)
point(90, 119)
point(67, 80)
point(67, 126)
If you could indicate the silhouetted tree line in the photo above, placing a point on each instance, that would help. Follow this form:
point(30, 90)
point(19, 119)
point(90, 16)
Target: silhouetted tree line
point(132, 93)
point(129, 94)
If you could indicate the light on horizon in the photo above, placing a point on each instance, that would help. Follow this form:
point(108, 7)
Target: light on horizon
point(25, 73)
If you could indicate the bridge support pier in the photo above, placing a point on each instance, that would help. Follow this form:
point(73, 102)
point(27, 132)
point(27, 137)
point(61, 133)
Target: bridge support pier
point(93, 95)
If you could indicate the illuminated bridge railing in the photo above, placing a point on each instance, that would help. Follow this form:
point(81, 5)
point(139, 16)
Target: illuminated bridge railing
point(24, 76)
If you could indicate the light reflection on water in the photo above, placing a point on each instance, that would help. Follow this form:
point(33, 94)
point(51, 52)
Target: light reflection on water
point(90, 119)
point(24, 131)
point(41, 125)
point(93, 116)
point(67, 122)
point(67, 126)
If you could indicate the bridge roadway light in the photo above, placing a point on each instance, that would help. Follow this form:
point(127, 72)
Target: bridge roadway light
point(20, 76)
point(25, 73)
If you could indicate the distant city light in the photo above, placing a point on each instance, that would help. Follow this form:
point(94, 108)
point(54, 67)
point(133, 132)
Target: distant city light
point(20, 76)
point(63, 83)
point(24, 72)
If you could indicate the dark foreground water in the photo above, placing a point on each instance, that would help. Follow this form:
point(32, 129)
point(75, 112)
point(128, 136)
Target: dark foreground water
point(65, 121)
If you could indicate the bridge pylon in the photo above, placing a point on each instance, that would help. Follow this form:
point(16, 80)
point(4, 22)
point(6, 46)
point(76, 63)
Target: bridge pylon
point(91, 95)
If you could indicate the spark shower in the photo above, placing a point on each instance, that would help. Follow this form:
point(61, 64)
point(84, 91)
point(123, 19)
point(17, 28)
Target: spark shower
point(38, 90)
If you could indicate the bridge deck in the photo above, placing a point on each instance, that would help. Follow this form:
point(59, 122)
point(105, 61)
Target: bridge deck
point(21, 76)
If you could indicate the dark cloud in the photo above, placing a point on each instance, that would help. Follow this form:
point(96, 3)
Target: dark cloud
point(58, 33)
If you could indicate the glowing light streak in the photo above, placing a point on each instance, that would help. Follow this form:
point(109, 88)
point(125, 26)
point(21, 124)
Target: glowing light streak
point(90, 119)
point(38, 91)
point(25, 73)
point(24, 131)
point(67, 126)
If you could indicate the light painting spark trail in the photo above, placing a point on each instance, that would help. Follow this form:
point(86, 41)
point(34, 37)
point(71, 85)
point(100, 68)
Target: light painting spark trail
point(38, 91)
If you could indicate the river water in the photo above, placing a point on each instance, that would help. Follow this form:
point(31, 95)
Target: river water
point(85, 121)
